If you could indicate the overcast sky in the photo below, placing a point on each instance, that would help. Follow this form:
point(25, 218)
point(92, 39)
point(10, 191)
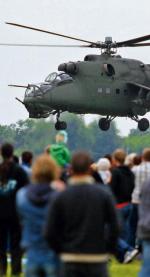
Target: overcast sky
point(87, 19)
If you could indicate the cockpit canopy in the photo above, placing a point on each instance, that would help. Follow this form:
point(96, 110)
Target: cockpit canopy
point(33, 90)
point(52, 80)
point(55, 77)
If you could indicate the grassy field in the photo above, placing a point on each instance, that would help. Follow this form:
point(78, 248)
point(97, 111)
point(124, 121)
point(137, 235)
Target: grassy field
point(119, 270)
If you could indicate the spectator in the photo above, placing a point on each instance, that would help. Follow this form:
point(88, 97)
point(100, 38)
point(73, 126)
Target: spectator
point(77, 222)
point(95, 174)
point(27, 158)
point(137, 160)
point(32, 204)
point(103, 167)
point(122, 185)
point(129, 160)
point(109, 157)
point(16, 159)
point(142, 174)
point(59, 150)
point(144, 228)
point(12, 178)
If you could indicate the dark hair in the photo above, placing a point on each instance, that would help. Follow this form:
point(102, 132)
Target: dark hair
point(81, 162)
point(109, 157)
point(7, 150)
point(16, 159)
point(4, 172)
point(27, 157)
point(137, 160)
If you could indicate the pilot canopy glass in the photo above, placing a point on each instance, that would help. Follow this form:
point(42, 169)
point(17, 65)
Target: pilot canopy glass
point(56, 78)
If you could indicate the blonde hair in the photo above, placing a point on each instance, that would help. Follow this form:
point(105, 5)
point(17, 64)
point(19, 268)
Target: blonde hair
point(44, 169)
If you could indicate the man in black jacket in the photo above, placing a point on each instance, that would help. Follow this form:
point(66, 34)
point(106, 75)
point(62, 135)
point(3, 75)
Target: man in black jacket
point(122, 185)
point(82, 224)
point(12, 177)
point(122, 181)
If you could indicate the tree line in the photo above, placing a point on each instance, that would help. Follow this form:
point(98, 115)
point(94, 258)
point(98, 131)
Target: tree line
point(35, 135)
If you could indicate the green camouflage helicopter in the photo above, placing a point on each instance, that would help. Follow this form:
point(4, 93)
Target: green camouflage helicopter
point(104, 84)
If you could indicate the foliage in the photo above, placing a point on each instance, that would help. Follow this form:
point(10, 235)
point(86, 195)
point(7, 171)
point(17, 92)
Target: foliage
point(35, 135)
point(137, 141)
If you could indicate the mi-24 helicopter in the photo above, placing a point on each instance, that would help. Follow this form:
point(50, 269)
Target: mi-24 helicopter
point(104, 84)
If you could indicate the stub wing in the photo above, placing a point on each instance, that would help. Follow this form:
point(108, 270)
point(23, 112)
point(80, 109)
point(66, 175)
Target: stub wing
point(139, 85)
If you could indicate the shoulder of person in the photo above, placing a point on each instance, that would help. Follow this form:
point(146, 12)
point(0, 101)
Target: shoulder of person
point(116, 171)
point(21, 196)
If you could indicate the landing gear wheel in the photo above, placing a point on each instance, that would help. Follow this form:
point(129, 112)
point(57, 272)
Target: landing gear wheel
point(143, 124)
point(60, 125)
point(104, 124)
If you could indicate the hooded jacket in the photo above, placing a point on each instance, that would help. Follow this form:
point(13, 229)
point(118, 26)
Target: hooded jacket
point(60, 154)
point(32, 205)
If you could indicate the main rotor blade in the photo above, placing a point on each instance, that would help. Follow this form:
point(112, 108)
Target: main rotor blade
point(132, 41)
point(138, 45)
point(48, 32)
point(40, 45)
point(18, 86)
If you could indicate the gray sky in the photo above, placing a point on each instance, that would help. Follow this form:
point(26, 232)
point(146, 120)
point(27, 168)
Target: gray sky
point(85, 19)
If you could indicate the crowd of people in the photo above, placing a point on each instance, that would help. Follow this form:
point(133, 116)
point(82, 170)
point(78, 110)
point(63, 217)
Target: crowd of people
point(67, 214)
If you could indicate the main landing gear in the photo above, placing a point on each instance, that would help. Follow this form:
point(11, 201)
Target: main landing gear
point(104, 123)
point(143, 123)
point(60, 125)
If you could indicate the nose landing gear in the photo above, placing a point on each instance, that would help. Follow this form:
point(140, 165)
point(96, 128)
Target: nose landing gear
point(60, 125)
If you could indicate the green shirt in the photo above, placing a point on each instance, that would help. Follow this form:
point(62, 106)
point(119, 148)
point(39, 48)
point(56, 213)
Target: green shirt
point(60, 153)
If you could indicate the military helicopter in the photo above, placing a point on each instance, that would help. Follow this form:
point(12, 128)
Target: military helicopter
point(104, 84)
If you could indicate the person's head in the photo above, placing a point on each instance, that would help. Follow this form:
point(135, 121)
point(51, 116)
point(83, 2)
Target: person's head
point(146, 155)
point(103, 164)
point(109, 157)
point(62, 136)
point(81, 163)
point(27, 157)
point(7, 151)
point(137, 160)
point(129, 160)
point(119, 156)
point(16, 159)
point(44, 170)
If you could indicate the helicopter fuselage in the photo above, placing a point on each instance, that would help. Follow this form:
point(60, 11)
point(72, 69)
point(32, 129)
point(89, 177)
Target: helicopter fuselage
point(102, 85)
